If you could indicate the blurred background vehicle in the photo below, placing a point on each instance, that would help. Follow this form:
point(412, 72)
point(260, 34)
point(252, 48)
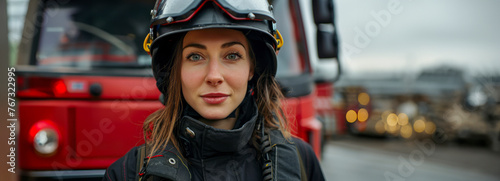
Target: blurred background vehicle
point(478, 119)
point(436, 99)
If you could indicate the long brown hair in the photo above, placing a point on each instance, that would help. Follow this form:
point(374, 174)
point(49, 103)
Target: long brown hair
point(159, 127)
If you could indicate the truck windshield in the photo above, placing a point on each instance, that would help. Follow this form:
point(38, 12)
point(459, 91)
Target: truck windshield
point(292, 53)
point(94, 33)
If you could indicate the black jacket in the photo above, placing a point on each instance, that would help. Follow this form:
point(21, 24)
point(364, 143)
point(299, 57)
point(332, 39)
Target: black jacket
point(215, 154)
point(124, 169)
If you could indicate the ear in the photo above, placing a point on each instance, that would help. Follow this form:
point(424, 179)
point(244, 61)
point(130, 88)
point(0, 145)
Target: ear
point(250, 75)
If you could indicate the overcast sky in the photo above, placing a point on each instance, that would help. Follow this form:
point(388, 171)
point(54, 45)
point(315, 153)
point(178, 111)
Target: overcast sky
point(419, 34)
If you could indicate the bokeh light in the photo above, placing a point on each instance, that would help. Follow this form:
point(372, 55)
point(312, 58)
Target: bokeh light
point(392, 119)
point(363, 98)
point(351, 116)
point(402, 119)
point(430, 127)
point(393, 129)
point(419, 126)
point(362, 115)
point(406, 131)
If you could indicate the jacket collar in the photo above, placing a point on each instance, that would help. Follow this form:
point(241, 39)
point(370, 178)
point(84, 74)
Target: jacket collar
point(203, 141)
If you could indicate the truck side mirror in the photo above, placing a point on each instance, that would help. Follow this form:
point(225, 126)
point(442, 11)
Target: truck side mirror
point(327, 42)
point(323, 11)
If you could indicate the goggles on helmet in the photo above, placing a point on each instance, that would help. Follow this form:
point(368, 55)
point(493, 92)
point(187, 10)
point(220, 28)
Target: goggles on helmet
point(169, 11)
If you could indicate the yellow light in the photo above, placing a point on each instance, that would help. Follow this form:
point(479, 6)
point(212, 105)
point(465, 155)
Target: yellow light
point(430, 127)
point(380, 127)
point(402, 119)
point(419, 126)
point(351, 116)
point(363, 98)
point(392, 119)
point(362, 115)
point(393, 129)
point(406, 131)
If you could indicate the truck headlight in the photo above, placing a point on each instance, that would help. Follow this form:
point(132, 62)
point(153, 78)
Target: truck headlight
point(45, 137)
point(46, 141)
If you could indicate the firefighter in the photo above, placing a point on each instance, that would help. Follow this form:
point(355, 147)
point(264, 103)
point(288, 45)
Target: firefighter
point(215, 63)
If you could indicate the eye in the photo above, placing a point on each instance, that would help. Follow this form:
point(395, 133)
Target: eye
point(194, 57)
point(233, 56)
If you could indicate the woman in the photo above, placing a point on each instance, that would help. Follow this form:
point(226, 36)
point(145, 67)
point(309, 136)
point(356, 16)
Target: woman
point(215, 62)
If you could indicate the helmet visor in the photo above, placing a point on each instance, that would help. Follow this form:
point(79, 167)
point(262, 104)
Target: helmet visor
point(174, 11)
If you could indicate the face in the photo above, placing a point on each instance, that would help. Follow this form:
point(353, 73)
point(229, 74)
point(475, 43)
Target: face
point(215, 71)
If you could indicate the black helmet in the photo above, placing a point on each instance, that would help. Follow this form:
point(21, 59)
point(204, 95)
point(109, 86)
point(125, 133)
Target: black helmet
point(171, 19)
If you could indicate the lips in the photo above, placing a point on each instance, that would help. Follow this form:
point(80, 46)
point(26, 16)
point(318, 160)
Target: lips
point(214, 98)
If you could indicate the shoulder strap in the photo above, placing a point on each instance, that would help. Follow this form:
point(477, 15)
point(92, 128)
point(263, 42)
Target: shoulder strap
point(141, 154)
point(303, 175)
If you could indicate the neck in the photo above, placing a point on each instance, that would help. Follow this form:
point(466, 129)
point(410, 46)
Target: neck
point(227, 124)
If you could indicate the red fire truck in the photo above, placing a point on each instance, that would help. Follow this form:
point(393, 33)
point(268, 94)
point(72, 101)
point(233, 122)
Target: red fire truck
point(85, 85)
point(319, 45)
point(323, 42)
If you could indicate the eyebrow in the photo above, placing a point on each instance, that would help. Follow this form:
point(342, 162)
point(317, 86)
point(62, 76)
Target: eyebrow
point(195, 45)
point(229, 44)
point(225, 45)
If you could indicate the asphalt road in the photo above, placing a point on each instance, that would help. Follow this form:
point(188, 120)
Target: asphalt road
point(355, 158)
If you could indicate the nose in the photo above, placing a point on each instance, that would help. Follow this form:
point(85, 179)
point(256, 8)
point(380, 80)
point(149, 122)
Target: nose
point(214, 76)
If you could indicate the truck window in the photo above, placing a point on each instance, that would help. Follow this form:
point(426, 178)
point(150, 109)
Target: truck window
point(291, 53)
point(94, 33)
